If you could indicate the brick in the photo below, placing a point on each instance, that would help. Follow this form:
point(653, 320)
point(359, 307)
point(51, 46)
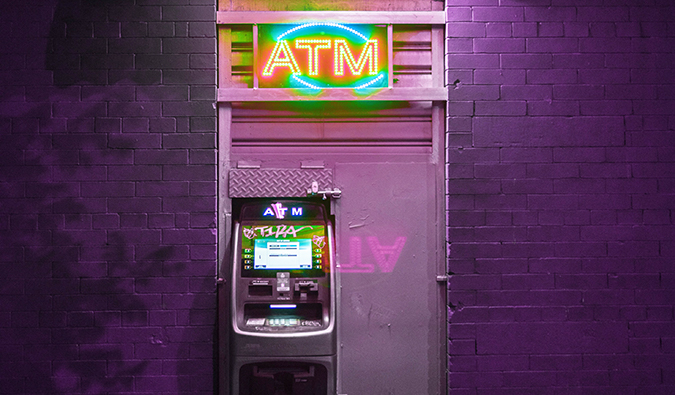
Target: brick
point(188, 45)
point(189, 204)
point(604, 76)
point(500, 201)
point(458, 45)
point(552, 45)
point(632, 281)
point(504, 108)
point(550, 29)
point(553, 76)
point(600, 14)
point(578, 61)
point(458, 124)
point(528, 29)
point(160, 29)
point(603, 29)
point(555, 362)
point(193, 236)
point(135, 45)
point(136, 109)
point(525, 92)
point(135, 77)
point(164, 61)
point(188, 77)
point(498, 14)
point(549, 14)
point(499, 77)
point(135, 125)
point(498, 45)
point(605, 170)
point(526, 338)
point(605, 45)
point(529, 186)
point(202, 188)
point(524, 155)
point(526, 61)
point(578, 91)
point(553, 108)
point(579, 154)
point(195, 13)
point(160, 157)
point(498, 29)
point(193, 108)
point(135, 173)
point(134, 29)
point(643, 92)
point(631, 185)
point(527, 281)
point(530, 131)
point(474, 92)
point(466, 61)
point(134, 205)
point(456, 14)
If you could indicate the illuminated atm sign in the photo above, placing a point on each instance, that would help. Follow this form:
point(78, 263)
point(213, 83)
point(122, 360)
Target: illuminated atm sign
point(322, 55)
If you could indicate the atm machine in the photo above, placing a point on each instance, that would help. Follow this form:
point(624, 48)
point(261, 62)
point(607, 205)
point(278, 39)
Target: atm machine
point(283, 293)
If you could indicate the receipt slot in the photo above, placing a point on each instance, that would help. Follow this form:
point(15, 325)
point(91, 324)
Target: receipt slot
point(283, 335)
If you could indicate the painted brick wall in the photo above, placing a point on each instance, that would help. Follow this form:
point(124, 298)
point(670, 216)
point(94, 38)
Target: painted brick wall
point(107, 202)
point(561, 192)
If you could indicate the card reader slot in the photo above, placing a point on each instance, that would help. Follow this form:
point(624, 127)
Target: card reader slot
point(259, 290)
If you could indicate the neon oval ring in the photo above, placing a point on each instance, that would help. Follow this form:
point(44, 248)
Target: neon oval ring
point(312, 24)
point(362, 86)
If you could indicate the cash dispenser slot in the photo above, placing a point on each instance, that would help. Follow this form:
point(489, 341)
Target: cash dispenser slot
point(280, 316)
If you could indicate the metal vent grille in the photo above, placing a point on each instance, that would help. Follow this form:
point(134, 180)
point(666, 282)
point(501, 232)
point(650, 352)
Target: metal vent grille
point(253, 183)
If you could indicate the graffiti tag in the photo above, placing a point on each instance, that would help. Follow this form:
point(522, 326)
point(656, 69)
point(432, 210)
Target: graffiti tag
point(319, 241)
point(274, 231)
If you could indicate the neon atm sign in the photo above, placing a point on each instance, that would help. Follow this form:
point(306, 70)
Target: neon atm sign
point(322, 55)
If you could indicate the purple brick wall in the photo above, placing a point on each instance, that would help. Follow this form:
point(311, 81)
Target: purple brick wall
point(561, 196)
point(107, 202)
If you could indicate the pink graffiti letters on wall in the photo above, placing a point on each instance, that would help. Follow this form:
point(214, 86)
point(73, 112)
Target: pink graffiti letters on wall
point(274, 230)
point(385, 256)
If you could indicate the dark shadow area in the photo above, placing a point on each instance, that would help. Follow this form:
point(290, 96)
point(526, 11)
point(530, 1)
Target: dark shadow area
point(70, 312)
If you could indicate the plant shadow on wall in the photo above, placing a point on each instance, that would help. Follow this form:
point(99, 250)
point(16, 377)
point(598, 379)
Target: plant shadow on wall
point(75, 315)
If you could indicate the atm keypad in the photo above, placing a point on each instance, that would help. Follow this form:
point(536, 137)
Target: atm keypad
point(283, 281)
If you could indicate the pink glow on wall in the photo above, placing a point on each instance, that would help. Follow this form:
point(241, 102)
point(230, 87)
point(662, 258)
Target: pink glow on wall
point(385, 256)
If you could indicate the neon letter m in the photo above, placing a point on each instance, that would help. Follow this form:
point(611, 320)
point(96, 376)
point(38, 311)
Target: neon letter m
point(343, 54)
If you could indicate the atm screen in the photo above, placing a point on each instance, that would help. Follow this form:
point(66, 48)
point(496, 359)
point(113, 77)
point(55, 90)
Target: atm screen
point(284, 247)
point(293, 254)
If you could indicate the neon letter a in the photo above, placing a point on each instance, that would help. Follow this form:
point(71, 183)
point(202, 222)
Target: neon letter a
point(281, 57)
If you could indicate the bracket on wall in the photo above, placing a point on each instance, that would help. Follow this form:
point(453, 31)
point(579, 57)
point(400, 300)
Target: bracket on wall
point(313, 190)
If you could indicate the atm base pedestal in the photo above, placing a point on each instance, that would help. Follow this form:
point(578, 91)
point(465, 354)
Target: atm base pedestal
point(284, 376)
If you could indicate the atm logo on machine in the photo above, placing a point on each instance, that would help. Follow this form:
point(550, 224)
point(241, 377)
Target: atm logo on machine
point(278, 211)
